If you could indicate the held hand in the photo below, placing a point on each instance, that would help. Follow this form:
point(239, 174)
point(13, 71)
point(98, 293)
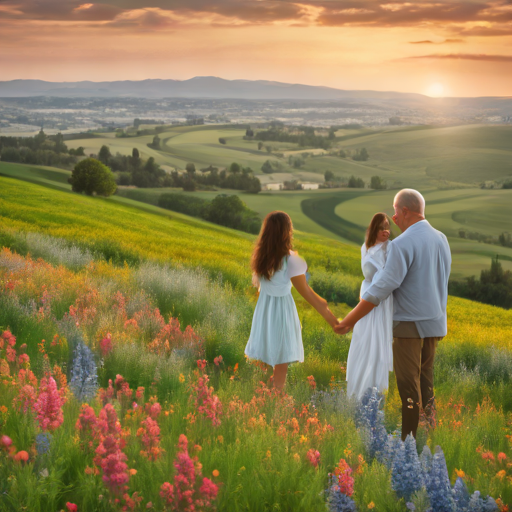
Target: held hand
point(342, 328)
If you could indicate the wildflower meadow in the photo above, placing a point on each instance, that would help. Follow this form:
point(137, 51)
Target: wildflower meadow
point(124, 386)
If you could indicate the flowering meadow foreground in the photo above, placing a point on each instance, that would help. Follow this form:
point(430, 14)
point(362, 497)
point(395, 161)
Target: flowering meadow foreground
point(109, 402)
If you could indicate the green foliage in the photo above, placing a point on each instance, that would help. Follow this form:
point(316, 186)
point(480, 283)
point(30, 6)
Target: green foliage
point(354, 182)
point(222, 140)
point(494, 286)
point(224, 210)
point(377, 183)
point(361, 155)
point(150, 175)
point(329, 176)
point(92, 177)
point(104, 155)
point(307, 137)
point(336, 287)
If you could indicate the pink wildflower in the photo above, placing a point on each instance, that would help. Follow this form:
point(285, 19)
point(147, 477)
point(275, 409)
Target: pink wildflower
point(150, 438)
point(205, 401)
point(139, 394)
point(5, 441)
point(23, 359)
point(217, 360)
point(49, 405)
point(106, 395)
point(187, 495)
point(313, 457)
point(86, 424)
point(110, 456)
point(71, 507)
point(201, 364)
point(106, 345)
point(209, 492)
point(153, 410)
point(26, 398)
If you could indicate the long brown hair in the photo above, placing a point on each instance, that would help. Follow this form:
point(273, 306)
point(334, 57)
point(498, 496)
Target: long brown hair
point(275, 242)
point(374, 228)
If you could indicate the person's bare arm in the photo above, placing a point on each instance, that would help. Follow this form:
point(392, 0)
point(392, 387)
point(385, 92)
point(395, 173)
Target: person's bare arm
point(301, 285)
point(361, 310)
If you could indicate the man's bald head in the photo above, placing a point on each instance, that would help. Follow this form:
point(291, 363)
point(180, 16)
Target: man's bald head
point(410, 199)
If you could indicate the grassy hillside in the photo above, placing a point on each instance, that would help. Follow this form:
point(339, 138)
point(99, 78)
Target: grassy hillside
point(143, 231)
point(343, 215)
point(259, 447)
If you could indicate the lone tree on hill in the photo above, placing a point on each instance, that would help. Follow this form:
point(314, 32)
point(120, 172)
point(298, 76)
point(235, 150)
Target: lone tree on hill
point(329, 176)
point(92, 177)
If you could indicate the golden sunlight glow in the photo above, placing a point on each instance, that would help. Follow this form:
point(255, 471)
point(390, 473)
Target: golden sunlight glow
point(435, 90)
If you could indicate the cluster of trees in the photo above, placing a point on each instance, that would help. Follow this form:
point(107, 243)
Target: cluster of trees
point(494, 286)
point(360, 155)
point(305, 137)
point(235, 177)
point(225, 210)
point(354, 182)
point(269, 167)
point(377, 183)
point(39, 150)
point(504, 239)
point(133, 170)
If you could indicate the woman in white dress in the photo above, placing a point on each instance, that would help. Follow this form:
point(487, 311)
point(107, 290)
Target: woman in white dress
point(276, 337)
point(370, 358)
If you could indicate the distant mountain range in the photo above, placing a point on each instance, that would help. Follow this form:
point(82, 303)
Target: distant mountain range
point(219, 88)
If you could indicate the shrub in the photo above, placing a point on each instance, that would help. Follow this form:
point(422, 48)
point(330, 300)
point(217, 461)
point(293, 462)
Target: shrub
point(92, 177)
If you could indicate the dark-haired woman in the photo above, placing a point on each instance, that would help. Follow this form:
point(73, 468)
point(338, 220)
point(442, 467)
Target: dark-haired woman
point(370, 358)
point(276, 337)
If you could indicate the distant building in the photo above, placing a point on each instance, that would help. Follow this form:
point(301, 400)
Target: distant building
point(272, 186)
point(309, 186)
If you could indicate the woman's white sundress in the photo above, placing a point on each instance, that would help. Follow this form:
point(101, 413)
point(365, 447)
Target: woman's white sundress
point(370, 357)
point(276, 335)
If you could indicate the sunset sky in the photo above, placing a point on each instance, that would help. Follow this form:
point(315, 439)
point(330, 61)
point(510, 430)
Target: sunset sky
point(439, 48)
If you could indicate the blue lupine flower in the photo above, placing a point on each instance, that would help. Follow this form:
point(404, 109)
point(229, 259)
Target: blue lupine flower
point(390, 449)
point(43, 443)
point(370, 417)
point(460, 495)
point(84, 377)
point(438, 485)
point(426, 462)
point(336, 500)
point(407, 475)
point(478, 504)
point(490, 505)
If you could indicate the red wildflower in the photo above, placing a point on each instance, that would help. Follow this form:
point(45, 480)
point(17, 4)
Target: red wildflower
point(345, 481)
point(311, 381)
point(205, 401)
point(71, 507)
point(21, 456)
point(106, 345)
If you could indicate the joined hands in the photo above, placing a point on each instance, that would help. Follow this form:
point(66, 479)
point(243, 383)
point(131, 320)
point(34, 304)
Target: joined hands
point(341, 327)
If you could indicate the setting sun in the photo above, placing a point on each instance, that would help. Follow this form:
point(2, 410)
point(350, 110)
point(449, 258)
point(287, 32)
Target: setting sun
point(435, 90)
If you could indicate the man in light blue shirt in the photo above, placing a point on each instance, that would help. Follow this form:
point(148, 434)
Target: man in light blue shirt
point(416, 272)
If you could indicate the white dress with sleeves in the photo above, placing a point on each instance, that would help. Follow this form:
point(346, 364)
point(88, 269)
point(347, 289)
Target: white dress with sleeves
point(370, 358)
point(276, 335)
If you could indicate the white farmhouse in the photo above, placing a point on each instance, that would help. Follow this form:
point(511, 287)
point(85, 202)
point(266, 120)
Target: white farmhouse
point(309, 186)
point(272, 186)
